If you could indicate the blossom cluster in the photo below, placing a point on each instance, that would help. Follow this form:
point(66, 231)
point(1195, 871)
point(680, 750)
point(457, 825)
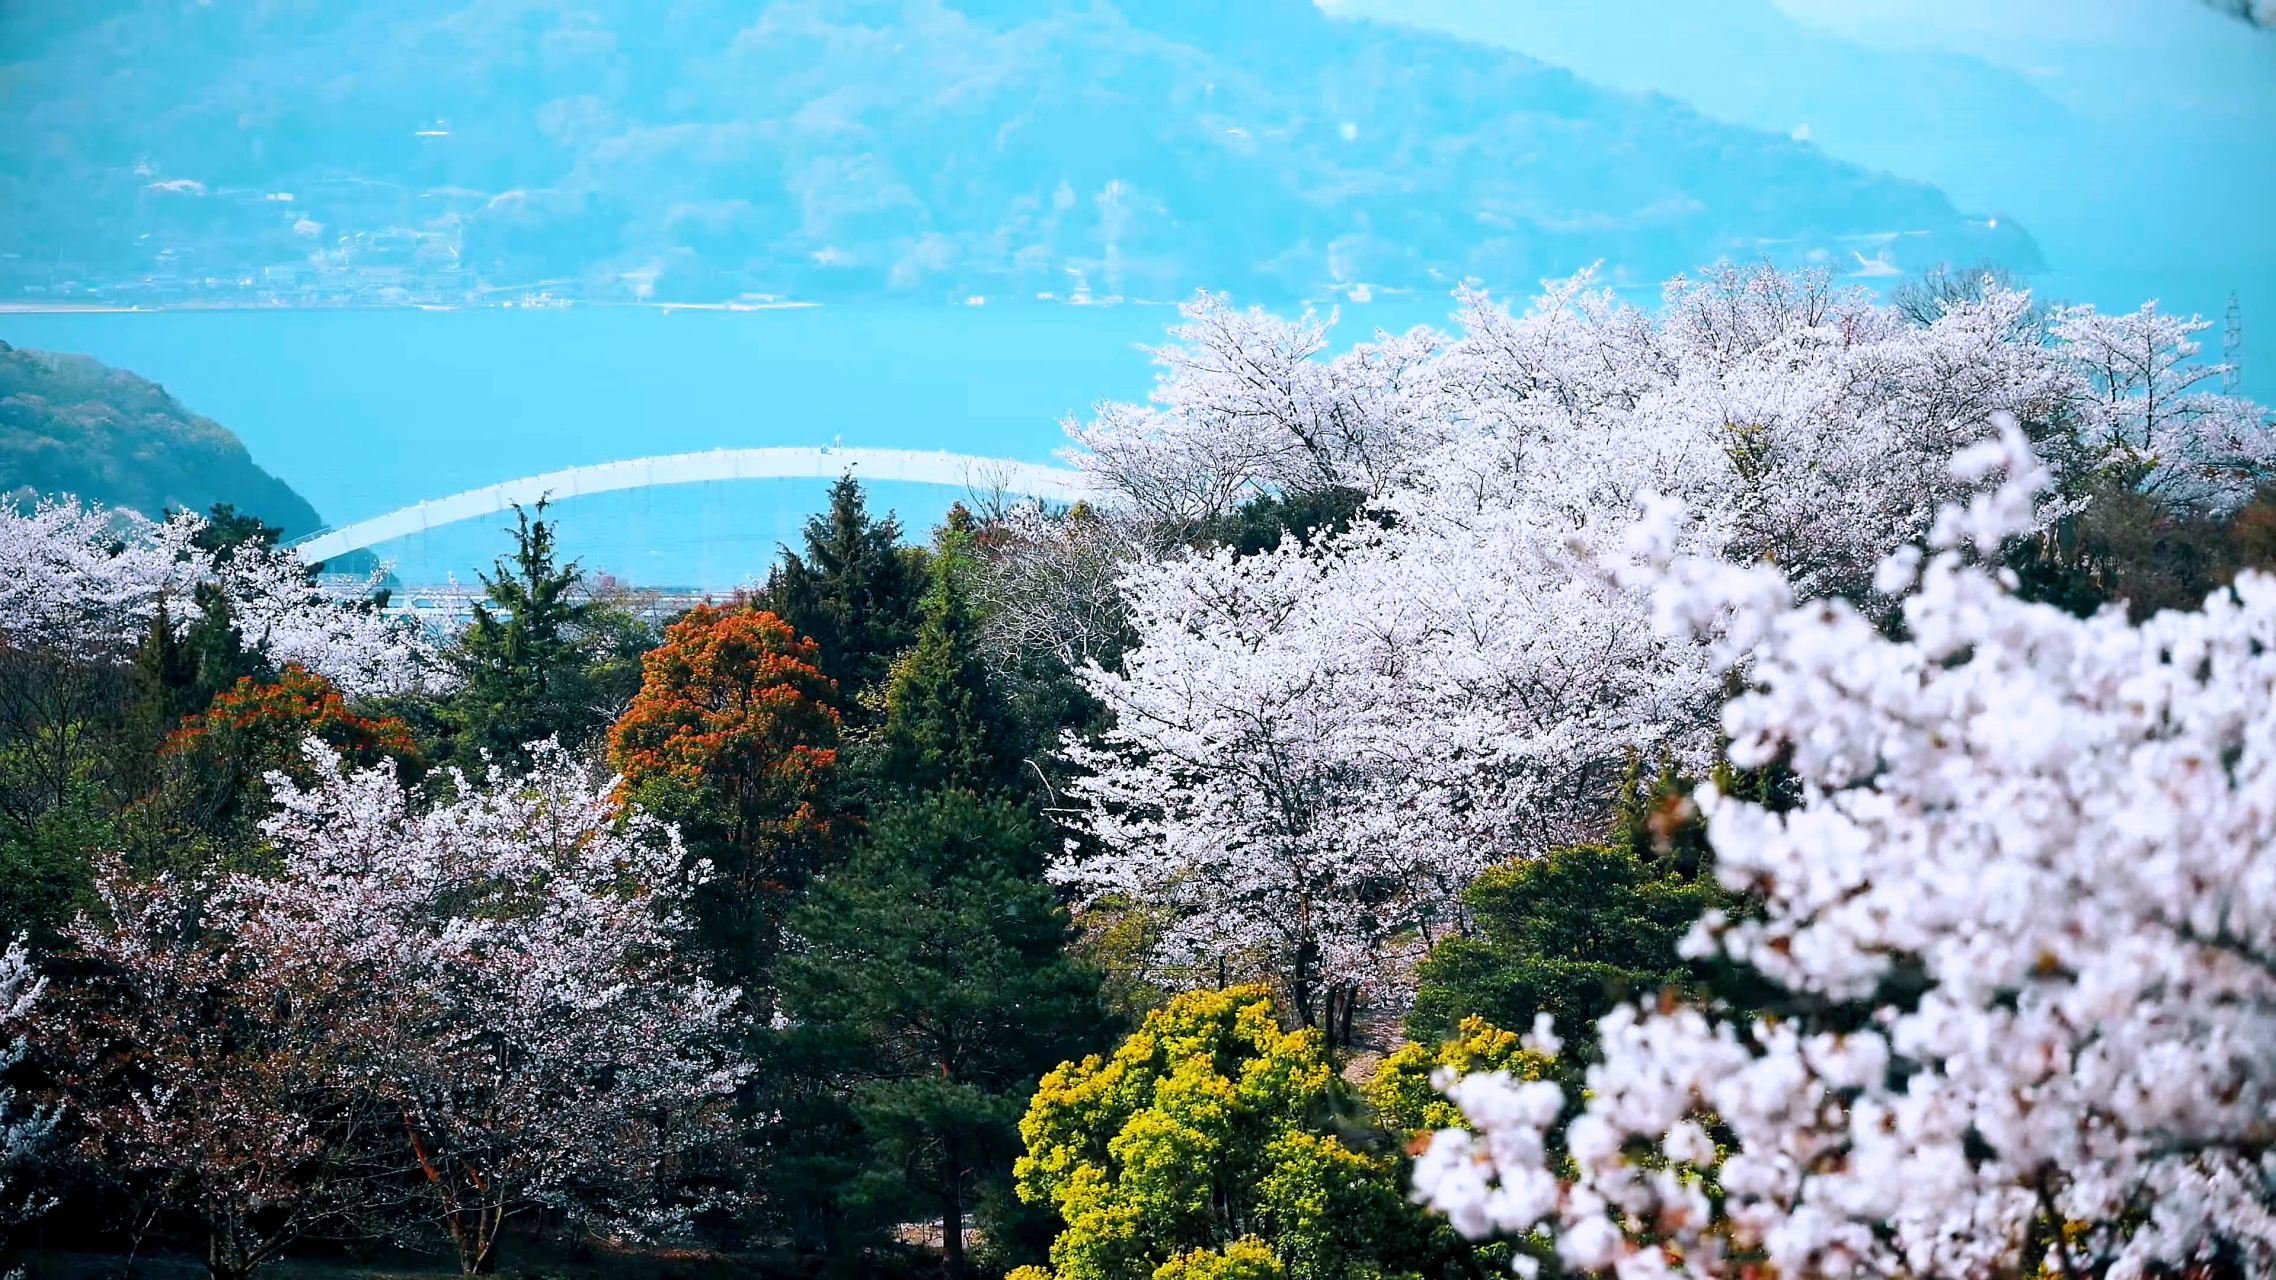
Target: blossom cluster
point(90, 580)
point(2027, 915)
point(1316, 747)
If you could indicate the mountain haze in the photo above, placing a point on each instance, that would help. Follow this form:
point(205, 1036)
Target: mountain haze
point(1940, 116)
point(2126, 135)
point(446, 149)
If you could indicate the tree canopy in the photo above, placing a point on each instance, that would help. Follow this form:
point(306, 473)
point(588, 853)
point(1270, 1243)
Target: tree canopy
point(734, 736)
point(854, 592)
point(1797, 766)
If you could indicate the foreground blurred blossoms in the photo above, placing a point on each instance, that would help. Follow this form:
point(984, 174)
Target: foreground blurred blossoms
point(2026, 918)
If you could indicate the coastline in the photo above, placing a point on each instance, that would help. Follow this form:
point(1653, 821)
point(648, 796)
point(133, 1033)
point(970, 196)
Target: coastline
point(20, 307)
point(64, 308)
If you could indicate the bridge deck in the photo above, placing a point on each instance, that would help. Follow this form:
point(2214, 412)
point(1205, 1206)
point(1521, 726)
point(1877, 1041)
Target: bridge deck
point(1056, 484)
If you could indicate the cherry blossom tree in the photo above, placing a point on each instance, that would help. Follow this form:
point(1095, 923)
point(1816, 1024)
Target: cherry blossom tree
point(2143, 413)
point(201, 1078)
point(2025, 917)
point(87, 581)
point(285, 614)
point(89, 578)
point(27, 1128)
point(1315, 747)
point(540, 1042)
point(1244, 408)
point(479, 998)
point(1048, 584)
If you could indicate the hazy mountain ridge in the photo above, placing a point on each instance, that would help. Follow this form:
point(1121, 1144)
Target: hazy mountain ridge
point(864, 149)
point(1748, 62)
point(70, 424)
point(2039, 135)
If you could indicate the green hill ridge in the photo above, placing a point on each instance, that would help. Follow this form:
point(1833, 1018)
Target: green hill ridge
point(70, 424)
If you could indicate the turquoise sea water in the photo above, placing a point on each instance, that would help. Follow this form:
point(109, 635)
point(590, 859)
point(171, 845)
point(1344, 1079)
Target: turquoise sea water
point(367, 411)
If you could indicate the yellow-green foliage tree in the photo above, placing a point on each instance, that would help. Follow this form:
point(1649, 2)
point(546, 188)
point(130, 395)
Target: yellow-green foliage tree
point(1411, 1107)
point(1408, 1104)
point(1207, 1148)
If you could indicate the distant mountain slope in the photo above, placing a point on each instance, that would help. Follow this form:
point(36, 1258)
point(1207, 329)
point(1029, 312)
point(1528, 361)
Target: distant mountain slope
point(1942, 117)
point(709, 149)
point(2123, 135)
point(73, 425)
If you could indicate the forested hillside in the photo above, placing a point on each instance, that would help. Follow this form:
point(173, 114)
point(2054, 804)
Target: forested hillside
point(917, 148)
point(72, 425)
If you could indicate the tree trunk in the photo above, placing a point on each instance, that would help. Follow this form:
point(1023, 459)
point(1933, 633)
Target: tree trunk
point(1342, 1008)
point(233, 1251)
point(476, 1235)
point(221, 1260)
point(138, 1227)
point(1300, 990)
point(951, 1217)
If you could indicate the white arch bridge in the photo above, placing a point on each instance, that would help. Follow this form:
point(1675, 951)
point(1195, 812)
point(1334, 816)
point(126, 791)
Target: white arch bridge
point(981, 475)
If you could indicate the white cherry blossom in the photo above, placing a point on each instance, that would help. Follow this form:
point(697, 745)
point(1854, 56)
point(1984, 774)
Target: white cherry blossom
point(1314, 748)
point(2061, 830)
point(88, 580)
point(542, 1042)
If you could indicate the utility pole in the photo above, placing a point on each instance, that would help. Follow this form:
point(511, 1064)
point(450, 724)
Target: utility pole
point(2232, 349)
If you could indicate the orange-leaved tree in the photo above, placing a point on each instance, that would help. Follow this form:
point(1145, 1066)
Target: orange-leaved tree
point(213, 777)
point(734, 737)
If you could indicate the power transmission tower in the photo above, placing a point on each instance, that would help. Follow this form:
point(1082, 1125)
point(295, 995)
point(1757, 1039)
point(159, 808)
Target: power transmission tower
point(2232, 349)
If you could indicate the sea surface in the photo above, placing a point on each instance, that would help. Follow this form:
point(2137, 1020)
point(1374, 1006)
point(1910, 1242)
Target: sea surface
point(365, 411)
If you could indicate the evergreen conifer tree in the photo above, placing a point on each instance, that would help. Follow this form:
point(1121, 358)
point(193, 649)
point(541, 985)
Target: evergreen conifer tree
point(854, 592)
point(946, 724)
point(226, 529)
point(931, 986)
point(175, 673)
point(522, 657)
point(935, 986)
point(178, 668)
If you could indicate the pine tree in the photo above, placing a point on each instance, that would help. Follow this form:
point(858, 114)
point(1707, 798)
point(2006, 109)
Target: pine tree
point(945, 725)
point(226, 529)
point(176, 672)
point(522, 658)
point(164, 680)
point(931, 985)
point(934, 981)
point(854, 592)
